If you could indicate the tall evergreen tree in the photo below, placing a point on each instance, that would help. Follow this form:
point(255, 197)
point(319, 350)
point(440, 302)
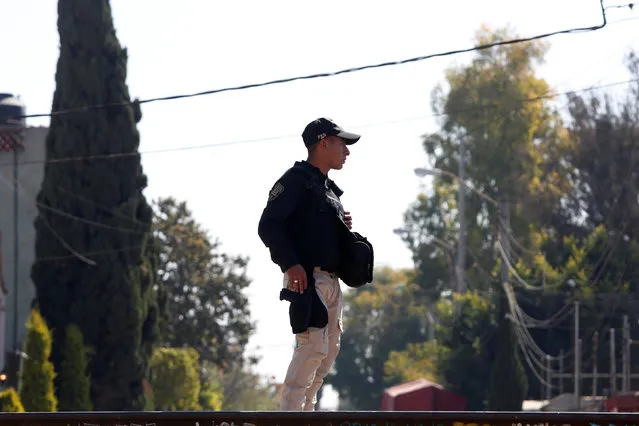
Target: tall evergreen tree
point(94, 205)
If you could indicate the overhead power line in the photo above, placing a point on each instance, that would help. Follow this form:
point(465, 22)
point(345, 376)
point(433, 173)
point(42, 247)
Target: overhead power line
point(323, 75)
point(264, 139)
point(622, 6)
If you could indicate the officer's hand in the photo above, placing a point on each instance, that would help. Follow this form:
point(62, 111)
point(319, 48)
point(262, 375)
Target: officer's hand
point(296, 278)
point(348, 220)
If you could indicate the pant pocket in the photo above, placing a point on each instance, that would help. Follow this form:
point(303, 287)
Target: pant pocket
point(323, 288)
point(318, 339)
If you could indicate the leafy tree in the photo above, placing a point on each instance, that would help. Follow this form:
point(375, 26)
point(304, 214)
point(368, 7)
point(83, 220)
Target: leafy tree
point(597, 271)
point(211, 387)
point(459, 357)
point(207, 307)
point(468, 338)
point(427, 238)
point(572, 189)
point(175, 379)
point(516, 147)
point(590, 239)
point(379, 318)
point(605, 159)
point(508, 145)
point(417, 361)
point(37, 373)
point(10, 401)
point(95, 206)
point(75, 383)
point(245, 390)
point(602, 213)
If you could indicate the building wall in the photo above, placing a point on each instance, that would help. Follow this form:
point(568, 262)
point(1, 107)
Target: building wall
point(30, 177)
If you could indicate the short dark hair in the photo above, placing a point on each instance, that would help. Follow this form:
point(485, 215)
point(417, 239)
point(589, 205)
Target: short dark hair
point(312, 148)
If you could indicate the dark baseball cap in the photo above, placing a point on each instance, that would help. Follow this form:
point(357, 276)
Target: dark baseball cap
point(320, 128)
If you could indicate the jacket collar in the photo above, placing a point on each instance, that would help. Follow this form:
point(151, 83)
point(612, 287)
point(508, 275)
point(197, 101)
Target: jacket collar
point(320, 177)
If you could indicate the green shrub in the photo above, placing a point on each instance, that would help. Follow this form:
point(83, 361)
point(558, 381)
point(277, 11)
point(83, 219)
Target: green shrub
point(10, 402)
point(36, 379)
point(175, 379)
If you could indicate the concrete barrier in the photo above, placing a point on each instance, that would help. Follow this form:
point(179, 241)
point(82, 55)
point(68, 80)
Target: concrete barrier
point(320, 418)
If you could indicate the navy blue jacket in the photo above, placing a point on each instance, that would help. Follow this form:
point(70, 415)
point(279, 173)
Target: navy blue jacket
point(300, 225)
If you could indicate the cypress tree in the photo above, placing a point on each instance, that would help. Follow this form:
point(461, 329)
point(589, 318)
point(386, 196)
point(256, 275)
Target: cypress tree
point(36, 378)
point(93, 205)
point(74, 379)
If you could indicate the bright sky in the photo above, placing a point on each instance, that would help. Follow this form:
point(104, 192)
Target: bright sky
point(196, 45)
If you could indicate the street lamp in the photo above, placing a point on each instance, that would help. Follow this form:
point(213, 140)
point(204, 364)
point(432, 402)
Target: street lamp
point(421, 172)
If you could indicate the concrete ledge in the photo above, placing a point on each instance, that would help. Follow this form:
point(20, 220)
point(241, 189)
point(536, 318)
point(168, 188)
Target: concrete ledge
point(320, 418)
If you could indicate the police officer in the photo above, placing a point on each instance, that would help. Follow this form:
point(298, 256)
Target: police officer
point(300, 225)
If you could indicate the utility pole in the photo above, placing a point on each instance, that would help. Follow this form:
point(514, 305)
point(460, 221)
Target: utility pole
point(629, 356)
point(577, 377)
point(504, 218)
point(431, 324)
point(595, 345)
point(461, 246)
point(561, 372)
point(578, 374)
point(16, 250)
point(613, 359)
point(504, 212)
point(548, 378)
point(625, 354)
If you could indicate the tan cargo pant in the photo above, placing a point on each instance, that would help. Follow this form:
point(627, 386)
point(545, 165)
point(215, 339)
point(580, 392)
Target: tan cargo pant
point(315, 349)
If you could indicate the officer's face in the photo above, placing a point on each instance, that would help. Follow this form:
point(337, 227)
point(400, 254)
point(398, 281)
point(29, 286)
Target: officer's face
point(336, 152)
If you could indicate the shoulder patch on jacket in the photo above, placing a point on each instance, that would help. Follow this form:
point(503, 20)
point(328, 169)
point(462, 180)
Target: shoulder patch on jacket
point(275, 191)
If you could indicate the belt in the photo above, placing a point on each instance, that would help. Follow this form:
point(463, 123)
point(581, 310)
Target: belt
point(320, 269)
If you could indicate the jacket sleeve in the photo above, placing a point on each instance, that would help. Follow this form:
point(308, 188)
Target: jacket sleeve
point(283, 198)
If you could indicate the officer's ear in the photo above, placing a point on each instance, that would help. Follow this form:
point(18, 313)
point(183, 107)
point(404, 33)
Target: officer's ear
point(317, 147)
point(326, 142)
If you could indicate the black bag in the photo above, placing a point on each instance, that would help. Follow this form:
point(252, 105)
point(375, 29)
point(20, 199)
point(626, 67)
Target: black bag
point(358, 260)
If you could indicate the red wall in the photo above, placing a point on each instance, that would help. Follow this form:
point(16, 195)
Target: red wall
point(424, 399)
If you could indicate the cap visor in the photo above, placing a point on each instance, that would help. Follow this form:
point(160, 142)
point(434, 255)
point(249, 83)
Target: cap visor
point(349, 138)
